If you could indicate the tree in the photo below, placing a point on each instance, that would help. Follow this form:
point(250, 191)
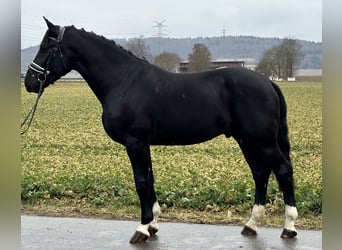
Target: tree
point(281, 61)
point(264, 66)
point(139, 48)
point(293, 55)
point(199, 59)
point(272, 63)
point(167, 61)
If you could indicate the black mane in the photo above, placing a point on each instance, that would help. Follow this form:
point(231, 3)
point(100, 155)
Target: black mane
point(108, 41)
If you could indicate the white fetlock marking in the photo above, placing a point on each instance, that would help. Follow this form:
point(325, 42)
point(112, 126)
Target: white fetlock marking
point(258, 214)
point(154, 225)
point(156, 209)
point(291, 215)
point(156, 212)
point(144, 229)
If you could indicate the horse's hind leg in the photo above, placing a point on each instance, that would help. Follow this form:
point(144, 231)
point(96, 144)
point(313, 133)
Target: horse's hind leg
point(284, 175)
point(261, 175)
point(262, 160)
point(260, 179)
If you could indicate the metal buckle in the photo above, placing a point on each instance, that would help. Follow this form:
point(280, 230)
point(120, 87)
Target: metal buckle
point(41, 77)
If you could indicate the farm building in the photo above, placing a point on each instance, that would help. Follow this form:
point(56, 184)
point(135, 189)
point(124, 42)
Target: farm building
point(220, 63)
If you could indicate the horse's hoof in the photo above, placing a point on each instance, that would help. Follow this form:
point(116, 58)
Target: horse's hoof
point(286, 234)
point(248, 231)
point(138, 237)
point(152, 230)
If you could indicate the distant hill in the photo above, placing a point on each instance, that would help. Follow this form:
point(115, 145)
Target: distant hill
point(249, 48)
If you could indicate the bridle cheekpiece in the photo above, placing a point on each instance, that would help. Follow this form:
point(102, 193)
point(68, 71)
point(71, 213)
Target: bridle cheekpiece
point(42, 72)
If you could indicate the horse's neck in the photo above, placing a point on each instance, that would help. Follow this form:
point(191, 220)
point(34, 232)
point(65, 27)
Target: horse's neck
point(101, 64)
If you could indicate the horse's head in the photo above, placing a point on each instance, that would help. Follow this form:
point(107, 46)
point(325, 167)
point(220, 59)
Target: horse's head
point(51, 62)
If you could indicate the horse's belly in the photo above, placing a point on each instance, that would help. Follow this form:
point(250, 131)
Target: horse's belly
point(184, 140)
point(191, 133)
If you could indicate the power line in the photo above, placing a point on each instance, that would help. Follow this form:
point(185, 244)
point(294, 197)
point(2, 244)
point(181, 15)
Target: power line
point(32, 27)
point(224, 31)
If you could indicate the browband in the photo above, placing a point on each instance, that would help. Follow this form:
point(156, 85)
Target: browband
point(60, 35)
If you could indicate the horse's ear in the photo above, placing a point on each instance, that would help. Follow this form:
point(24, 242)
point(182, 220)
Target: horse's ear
point(53, 28)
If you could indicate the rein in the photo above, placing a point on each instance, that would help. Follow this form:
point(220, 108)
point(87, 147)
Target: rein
point(42, 74)
point(33, 110)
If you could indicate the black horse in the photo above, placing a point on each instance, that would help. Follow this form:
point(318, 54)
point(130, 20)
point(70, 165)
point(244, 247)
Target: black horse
point(144, 105)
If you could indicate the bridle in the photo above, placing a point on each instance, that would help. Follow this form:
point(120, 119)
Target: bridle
point(42, 74)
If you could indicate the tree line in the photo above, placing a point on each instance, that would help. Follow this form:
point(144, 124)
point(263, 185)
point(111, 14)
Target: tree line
point(199, 59)
point(279, 61)
point(282, 60)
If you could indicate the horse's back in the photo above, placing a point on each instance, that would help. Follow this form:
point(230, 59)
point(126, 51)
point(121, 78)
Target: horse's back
point(188, 108)
point(181, 109)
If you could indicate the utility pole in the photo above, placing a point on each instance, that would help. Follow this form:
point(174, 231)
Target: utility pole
point(224, 32)
point(160, 34)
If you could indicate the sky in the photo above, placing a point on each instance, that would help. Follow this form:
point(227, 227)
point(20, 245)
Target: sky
point(298, 19)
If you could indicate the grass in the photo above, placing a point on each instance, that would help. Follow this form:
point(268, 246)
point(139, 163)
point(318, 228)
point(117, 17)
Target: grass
point(71, 167)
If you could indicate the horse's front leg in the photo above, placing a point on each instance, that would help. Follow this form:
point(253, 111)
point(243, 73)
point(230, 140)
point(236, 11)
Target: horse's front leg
point(139, 155)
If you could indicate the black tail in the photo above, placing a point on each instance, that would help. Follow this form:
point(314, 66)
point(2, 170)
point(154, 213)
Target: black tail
point(283, 139)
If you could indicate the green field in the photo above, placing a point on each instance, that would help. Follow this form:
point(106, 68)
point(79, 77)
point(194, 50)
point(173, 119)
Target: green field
point(71, 167)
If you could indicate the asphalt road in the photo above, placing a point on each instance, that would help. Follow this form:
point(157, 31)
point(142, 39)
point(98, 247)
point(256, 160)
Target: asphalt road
point(74, 233)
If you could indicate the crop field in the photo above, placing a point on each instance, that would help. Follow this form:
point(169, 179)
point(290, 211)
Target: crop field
point(71, 167)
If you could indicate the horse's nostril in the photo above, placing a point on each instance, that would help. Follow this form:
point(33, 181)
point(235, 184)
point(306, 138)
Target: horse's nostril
point(29, 88)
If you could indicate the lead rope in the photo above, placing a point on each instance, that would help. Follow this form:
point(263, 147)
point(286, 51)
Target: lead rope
point(32, 111)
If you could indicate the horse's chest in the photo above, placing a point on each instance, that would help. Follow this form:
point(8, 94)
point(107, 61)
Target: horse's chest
point(114, 125)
